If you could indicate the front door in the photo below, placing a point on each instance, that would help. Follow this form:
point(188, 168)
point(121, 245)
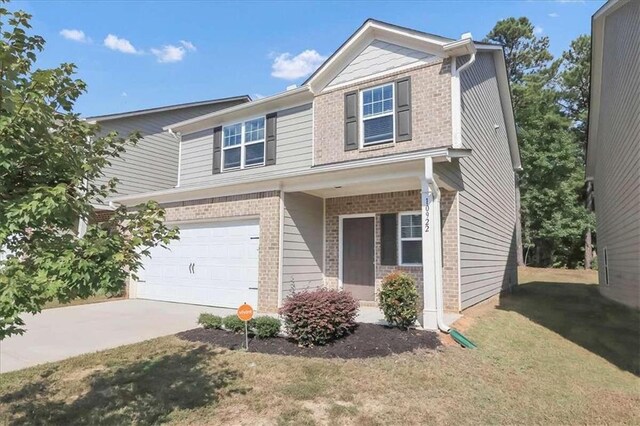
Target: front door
point(358, 261)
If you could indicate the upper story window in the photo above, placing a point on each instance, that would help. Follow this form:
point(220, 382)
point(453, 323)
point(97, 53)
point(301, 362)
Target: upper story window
point(377, 115)
point(243, 144)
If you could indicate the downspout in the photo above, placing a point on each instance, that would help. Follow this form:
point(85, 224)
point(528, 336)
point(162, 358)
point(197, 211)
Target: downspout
point(431, 203)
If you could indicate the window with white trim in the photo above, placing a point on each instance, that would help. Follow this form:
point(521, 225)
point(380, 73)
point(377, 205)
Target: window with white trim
point(243, 144)
point(410, 238)
point(377, 115)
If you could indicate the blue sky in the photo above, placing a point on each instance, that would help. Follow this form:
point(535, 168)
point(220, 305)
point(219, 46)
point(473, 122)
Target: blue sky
point(144, 54)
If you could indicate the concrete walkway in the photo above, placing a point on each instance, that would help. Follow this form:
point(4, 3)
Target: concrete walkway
point(56, 334)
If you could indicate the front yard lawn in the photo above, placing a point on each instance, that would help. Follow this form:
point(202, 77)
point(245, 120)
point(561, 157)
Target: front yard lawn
point(551, 353)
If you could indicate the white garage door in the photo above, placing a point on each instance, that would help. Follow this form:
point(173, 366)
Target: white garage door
point(212, 264)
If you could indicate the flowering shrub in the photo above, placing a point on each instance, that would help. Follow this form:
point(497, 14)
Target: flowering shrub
point(398, 300)
point(320, 316)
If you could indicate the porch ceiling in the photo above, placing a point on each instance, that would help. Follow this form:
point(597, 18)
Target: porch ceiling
point(359, 181)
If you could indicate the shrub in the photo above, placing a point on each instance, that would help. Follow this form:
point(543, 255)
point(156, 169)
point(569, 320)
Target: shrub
point(398, 300)
point(210, 321)
point(320, 316)
point(266, 327)
point(233, 323)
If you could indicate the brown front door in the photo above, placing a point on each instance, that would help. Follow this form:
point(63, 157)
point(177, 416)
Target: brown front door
point(358, 268)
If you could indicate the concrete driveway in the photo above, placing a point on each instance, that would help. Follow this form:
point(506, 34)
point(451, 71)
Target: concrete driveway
point(56, 334)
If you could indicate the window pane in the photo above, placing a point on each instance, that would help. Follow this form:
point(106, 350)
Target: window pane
point(378, 129)
point(254, 130)
point(412, 252)
point(254, 154)
point(231, 158)
point(232, 135)
point(366, 96)
point(405, 220)
point(388, 91)
point(377, 94)
point(387, 105)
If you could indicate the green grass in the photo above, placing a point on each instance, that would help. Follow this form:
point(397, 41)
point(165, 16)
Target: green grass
point(551, 353)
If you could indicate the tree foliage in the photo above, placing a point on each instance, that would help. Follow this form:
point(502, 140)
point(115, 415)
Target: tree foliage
point(50, 161)
point(550, 105)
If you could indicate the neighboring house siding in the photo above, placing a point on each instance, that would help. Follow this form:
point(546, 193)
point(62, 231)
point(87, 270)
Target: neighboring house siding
point(302, 242)
point(487, 203)
point(379, 57)
point(293, 151)
point(152, 164)
point(430, 116)
point(617, 169)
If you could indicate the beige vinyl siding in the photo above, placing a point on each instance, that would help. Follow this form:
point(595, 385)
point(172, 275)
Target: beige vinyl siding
point(378, 57)
point(302, 246)
point(487, 203)
point(151, 164)
point(293, 151)
point(617, 168)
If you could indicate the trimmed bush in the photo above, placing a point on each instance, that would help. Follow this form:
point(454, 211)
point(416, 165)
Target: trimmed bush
point(320, 316)
point(233, 323)
point(398, 300)
point(266, 327)
point(210, 321)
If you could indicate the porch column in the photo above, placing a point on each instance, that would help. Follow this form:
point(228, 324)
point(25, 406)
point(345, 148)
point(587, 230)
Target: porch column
point(431, 261)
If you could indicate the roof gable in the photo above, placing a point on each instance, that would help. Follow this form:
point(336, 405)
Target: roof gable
point(417, 42)
point(378, 57)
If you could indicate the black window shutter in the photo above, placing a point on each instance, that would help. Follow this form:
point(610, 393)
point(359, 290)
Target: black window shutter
point(403, 109)
point(270, 156)
point(389, 239)
point(351, 121)
point(217, 149)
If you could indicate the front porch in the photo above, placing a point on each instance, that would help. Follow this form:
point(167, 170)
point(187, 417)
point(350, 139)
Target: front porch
point(350, 232)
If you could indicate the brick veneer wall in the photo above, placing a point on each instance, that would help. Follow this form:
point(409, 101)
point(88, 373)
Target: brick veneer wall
point(391, 202)
point(430, 115)
point(266, 206)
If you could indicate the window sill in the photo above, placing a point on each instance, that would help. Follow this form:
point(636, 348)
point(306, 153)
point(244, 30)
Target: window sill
point(377, 147)
point(238, 169)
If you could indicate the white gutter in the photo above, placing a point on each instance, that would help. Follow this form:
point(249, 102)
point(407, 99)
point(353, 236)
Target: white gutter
point(432, 272)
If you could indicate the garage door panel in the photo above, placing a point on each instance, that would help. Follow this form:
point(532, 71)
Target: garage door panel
point(224, 266)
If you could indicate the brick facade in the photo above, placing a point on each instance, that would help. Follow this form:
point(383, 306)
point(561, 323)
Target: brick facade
point(393, 202)
point(265, 206)
point(430, 116)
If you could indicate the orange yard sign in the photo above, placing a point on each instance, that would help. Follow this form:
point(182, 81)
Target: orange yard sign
point(245, 312)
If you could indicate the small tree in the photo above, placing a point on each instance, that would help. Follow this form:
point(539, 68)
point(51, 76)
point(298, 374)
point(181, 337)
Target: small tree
point(50, 160)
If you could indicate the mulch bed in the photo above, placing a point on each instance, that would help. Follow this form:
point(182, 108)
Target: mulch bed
point(367, 341)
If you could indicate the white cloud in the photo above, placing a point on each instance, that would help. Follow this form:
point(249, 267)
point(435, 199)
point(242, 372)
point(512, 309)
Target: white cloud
point(123, 45)
point(124, 94)
point(257, 96)
point(188, 45)
point(290, 67)
point(170, 53)
point(553, 15)
point(538, 30)
point(75, 35)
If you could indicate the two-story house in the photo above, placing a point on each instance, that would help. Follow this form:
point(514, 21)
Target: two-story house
point(613, 155)
point(152, 164)
point(398, 153)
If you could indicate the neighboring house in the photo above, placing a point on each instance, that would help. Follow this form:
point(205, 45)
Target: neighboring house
point(152, 164)
point(398, 153)
point(613, 155)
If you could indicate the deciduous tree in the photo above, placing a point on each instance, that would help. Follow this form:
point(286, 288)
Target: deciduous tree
point(50, 161)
